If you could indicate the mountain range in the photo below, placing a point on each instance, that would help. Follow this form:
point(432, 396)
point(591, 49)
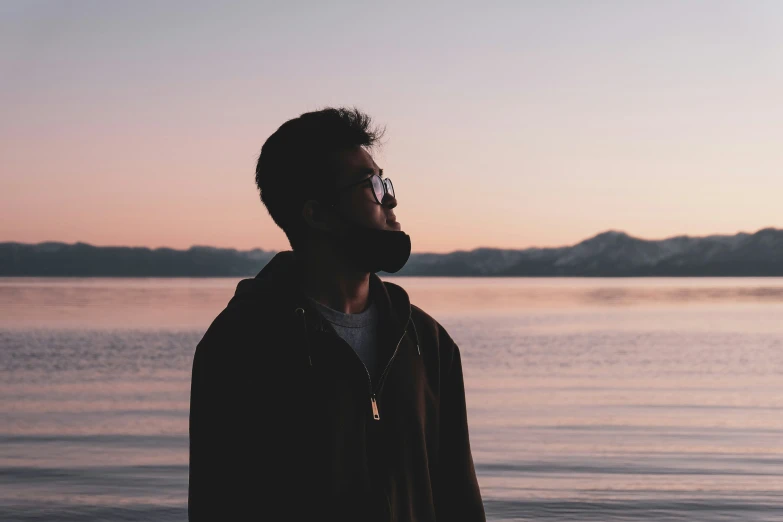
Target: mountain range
point(609, 254)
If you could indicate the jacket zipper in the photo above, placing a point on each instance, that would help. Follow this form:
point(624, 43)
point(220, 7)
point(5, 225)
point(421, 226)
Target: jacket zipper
point(369, 386)
point(373, 400)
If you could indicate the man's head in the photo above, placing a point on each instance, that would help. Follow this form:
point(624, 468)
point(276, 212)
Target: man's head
point(319, 181)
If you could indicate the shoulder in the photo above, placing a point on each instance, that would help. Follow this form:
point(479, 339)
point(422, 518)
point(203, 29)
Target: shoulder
point(433, 335)
point(218, 342)
point(425, 320)
point(237, 331)
point(224, 327)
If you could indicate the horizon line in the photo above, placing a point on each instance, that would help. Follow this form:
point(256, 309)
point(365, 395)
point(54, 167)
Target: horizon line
point(606, 232)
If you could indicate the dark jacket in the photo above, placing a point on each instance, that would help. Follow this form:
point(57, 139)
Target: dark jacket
point(282, 414)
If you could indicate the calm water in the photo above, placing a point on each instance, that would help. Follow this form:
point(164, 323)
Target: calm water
point(604, 400)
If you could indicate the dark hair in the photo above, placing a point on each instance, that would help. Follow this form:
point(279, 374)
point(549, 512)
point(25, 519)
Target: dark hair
point(297, 162)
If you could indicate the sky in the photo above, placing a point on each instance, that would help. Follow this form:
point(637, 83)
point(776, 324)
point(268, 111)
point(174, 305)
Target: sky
point(508, 124)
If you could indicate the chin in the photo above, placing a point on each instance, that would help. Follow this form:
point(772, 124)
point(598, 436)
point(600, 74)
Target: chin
point(393, 225)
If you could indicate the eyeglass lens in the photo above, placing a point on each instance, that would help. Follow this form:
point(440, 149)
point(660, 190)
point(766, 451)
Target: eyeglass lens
point(381, 187)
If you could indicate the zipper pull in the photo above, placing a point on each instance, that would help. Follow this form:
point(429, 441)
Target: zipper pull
point(375, 414)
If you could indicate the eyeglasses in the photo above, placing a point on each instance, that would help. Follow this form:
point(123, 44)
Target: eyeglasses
point(380, 187)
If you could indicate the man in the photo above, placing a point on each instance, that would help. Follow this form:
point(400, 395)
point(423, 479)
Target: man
point(320, 392)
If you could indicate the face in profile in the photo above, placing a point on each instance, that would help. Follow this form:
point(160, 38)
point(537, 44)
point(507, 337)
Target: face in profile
point(357, 223)
point(365, 201)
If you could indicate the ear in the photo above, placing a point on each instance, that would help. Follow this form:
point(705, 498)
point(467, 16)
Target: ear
point(316, 215)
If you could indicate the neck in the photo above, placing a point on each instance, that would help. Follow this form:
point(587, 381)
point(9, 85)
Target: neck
point(333, 285)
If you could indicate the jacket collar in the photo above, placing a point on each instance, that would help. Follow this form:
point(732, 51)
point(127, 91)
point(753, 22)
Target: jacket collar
point(279, 284)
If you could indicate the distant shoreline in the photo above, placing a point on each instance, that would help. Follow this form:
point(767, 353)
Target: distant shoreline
point(384, 276)
point(610, 254)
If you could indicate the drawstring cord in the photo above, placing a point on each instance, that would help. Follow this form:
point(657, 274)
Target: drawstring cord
point(301, 313)
point(416, 333)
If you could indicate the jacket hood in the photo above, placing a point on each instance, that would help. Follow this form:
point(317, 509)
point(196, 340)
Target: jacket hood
point(278, 279)
point(278, 285)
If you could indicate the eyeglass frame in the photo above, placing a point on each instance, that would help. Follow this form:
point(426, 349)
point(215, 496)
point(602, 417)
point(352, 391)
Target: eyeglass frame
point(383, 184)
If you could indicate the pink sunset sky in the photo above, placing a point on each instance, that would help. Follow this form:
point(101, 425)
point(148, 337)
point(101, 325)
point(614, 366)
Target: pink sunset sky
point(509, 124)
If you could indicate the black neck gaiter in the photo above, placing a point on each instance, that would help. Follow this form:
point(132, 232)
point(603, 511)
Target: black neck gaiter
point(373, 250)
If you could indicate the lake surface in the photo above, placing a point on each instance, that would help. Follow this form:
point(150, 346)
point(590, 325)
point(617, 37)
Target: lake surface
point(589, 399)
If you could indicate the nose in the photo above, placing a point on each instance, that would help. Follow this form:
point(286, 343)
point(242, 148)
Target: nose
point(389, 201)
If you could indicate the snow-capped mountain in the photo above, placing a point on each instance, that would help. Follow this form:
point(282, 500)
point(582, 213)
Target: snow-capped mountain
point(615, 253)
point(608, 254)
